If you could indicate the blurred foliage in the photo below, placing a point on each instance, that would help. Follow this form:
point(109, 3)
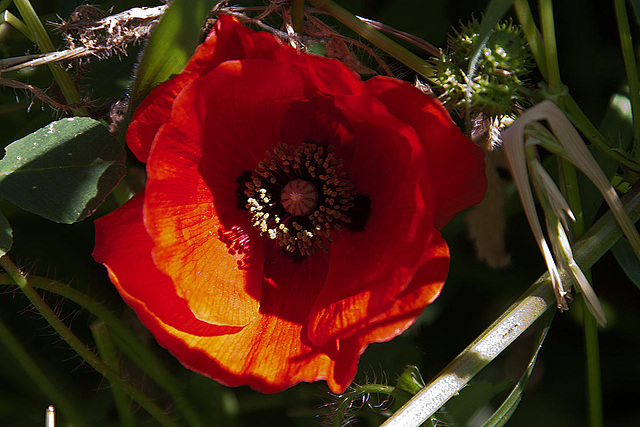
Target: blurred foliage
point(591, 65)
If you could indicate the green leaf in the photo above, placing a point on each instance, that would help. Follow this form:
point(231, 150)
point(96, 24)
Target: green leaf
point(6, 235)
point(63, 171)
point(508, 407)
point(170, 46)
point(627, 260)
point(617, 127)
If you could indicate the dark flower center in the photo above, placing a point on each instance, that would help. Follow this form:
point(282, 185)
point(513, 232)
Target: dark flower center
point(299, 194)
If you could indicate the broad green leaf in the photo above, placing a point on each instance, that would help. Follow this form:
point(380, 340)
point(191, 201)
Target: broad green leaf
point(627, 260)
point(63, 171)
point(508, 407)
point(170, 46)
point(6, 235)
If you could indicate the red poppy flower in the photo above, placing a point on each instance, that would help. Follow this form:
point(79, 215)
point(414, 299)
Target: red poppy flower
point(291, 212)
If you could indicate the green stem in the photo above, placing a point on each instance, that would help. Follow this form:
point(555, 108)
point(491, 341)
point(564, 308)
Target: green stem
point(384, 43)
point(109, 354)
point(39, 33)
point(531, 33)
point(566, 103)
point(16, 23)
point(590, 324)
point(594, 375)
point(631, 68)
point(516, 319)
point(297, 16)
point(346, 400)
point(550, 49)
point(10, 342)
point(74, 342)
point(126, 340)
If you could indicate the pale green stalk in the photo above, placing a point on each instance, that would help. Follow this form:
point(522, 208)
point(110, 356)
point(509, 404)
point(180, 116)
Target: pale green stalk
point(536, 45)
point(550, 49)
point(515, 320)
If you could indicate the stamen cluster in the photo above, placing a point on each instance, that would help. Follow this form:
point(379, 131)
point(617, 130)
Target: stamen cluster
point(299, 229)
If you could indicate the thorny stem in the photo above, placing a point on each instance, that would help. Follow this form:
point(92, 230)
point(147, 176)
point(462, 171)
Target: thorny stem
point(631, 68)
point(346, 400)
point(516, 319)
point(366, 31)
point(33, 23)
point(74, 342)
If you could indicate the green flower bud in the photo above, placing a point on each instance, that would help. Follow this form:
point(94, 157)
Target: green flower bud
point(497, 87)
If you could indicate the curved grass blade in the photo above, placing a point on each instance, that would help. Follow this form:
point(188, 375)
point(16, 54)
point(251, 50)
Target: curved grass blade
point(508, 407)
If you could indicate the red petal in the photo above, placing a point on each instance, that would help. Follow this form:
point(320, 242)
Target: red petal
point(152, 113)
point(423, 290)
point(227, 41)
point(191, 202)
point(124, 247)
point(369, 269)
point(455, 164)
point(267, 354)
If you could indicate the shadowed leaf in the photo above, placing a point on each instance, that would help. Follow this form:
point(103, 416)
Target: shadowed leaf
point(63, 171)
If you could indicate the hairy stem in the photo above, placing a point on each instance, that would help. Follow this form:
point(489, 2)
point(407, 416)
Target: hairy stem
point(57, 396)
point(74, 342)
point(126, 340)
point(109, 354)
